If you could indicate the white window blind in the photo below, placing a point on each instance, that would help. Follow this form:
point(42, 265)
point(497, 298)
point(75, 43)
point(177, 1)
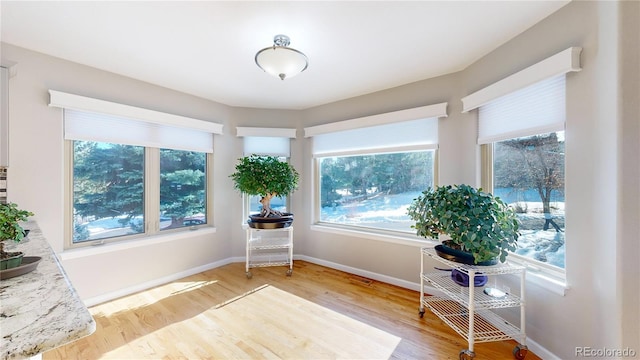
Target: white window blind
point(420, 133)
point(88, 126)
point(265, 145)
point(92, 119)
point(402, 130)
point(535, 109)
point(558, 64)
point(267, 141)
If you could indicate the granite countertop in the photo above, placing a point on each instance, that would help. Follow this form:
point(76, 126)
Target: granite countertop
point(39, 310)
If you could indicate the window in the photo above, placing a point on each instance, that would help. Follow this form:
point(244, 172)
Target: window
point(528, 174)
point(133, 172)
point(525, 132)
point(268, 142)
point(369, 170)
point(183, 191)
point(109, 192)
point(373, 190)
point(521, 130)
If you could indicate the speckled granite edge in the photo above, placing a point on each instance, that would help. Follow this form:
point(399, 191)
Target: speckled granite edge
point(40, 310)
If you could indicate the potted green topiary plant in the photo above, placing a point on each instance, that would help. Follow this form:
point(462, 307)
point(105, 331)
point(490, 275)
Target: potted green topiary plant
point(477, 223)
point(267, 177)
point(11, 229)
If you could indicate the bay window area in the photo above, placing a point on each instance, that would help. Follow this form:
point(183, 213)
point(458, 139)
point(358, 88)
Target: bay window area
point(367, 171)
point(373, 190)
point(266, 142)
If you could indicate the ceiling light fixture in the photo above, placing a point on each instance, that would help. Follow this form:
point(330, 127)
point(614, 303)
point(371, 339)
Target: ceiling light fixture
point(280, 60)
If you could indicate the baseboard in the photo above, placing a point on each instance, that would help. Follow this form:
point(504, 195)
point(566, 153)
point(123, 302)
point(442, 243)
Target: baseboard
point(368, 274)
point(541, 351)
point(533, 346)
point(156, 282)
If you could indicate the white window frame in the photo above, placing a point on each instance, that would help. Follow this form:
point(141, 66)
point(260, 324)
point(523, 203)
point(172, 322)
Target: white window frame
point(151, 167)
point(551, 273)
point(261, 138)
point(151, 200)
point(566, 61)
point(425, 112)
point(316, 198)
point(4, 116)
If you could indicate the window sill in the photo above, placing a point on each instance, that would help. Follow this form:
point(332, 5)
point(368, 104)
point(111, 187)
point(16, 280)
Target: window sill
point(547, 282)
point(409, 240)
point(131, 244)
point(542, 275)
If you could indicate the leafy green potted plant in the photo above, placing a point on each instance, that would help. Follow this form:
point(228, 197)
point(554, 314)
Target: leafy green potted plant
point(477, 223)
point(11, 229)
point(267, 177)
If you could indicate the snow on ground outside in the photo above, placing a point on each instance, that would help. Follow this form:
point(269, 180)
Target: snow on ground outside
point(390, 212)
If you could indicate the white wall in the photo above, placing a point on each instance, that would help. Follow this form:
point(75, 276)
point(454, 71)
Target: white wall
point(602, 172)
point(601, 191)
point(35, 179)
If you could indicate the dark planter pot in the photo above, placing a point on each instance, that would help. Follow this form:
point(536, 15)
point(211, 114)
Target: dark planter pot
point(260, 219)
point(459, 256)
point(271, 222)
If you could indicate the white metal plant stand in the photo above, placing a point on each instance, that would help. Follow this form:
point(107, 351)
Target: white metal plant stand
point(467, 309)
point(269, 247)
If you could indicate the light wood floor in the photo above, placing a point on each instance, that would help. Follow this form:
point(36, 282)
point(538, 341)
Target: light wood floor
point(132, 327)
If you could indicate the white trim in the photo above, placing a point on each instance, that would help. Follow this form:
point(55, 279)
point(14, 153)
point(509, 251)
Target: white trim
point(371, 234)
point(11, 66)
point(521, 133)
point(560, 63)
point(265, 132)
point(542, 275)
point(424, 112)
point(368, 274)
point(541, 351)
point(77, 102)
point(153, 283)
point(81, 252)
point(544, 281)
point(379, 150)
point(4, 116)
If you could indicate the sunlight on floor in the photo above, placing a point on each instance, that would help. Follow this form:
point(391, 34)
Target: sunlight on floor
point(148, 297)
point(192, 285)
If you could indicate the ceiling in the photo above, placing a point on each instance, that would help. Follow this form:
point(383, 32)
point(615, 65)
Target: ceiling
point(207, 48)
